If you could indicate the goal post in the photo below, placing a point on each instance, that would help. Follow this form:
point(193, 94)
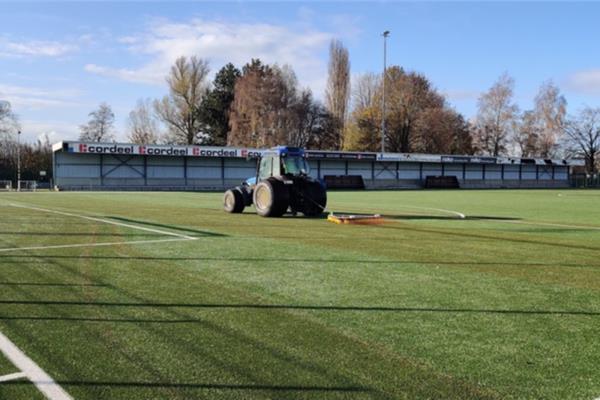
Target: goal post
point(28, 186)
point(5, 185)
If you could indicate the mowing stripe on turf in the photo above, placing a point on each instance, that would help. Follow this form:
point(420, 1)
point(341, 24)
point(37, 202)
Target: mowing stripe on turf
point(32, 371)
point(595, 228)
point(106, 221)
point(66, 246)
point(13, 377)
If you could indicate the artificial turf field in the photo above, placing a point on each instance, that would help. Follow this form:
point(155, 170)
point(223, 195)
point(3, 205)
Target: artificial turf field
point(187, 302)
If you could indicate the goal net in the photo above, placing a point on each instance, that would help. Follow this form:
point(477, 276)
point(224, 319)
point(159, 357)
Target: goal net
point(28, 186)
point(5, 185)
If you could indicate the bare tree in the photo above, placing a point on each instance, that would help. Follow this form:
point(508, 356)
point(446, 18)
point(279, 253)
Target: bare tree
point(441, 130)
point(337, 93)
point(550, 111)
point(9, 123)
point(528, 135)
point(540, 129)
point(142, 124)
point(496, 118)
point(365, 90)
point(417, 117)
point(100, 126)
point(408, 96)
point(9, 126)
point(361, 130)
point(261, 112)
point(583, 137)
point(179, 110)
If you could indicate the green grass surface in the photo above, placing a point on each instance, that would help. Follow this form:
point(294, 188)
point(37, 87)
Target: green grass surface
point(501, 305)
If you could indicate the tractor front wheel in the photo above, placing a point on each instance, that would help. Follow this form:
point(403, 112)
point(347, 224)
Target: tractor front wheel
point(233, 201)
point(271, 198)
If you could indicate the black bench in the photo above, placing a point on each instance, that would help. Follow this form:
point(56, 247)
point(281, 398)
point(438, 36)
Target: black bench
point(344, 181)
point(441, 182)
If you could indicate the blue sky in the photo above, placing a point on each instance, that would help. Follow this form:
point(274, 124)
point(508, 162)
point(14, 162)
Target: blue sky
point(58, 61)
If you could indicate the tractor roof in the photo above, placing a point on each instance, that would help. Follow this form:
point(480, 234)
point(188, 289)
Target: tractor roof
point(285, 151)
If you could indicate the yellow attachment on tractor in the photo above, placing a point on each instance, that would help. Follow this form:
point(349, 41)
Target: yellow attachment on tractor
point(356, 219)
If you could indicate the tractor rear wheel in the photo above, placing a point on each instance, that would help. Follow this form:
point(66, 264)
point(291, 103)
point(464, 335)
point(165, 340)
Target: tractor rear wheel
point(271, 198)
point(315, 199)
point(233, 201)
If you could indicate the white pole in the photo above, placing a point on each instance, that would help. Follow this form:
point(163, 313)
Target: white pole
point(385, 35)
point(18, 161)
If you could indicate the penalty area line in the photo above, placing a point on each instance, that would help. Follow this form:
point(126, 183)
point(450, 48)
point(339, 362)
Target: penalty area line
point(32, 371)
point(67, 246)
point(106, 221)
point(13, 377)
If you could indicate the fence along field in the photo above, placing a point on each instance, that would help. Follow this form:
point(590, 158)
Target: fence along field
point(164, 295)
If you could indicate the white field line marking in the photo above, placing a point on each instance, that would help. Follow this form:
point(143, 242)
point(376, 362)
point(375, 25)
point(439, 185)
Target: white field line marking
point(13, 377)
point(32, 371)
point(459, 215)
point(66, 246)
point(106, 221)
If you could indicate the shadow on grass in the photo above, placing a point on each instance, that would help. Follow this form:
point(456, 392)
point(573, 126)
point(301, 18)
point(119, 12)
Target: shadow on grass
point(520, 240)
point(69, 285)
point(286, 307)
point(225, 386)
point(173, 227)
point(11, 259)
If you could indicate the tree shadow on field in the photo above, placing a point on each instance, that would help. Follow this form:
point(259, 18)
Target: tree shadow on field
point(12, 259)
point(67, 285)
point(468, 235)
point(261, 307)
point(222, 386)
point(173, 227)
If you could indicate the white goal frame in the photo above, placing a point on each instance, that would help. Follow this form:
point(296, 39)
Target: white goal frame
point(6, 185)
point(28, 186)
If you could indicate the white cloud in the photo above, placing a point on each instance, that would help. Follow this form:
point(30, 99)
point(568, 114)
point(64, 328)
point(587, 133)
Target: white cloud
point(55, 130)
point(221, 42)
point(587, 81)
point(36, 98)
point(151, 73)
point(35, 48)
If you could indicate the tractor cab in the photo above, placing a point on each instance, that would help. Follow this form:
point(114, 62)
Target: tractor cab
point(282, 161)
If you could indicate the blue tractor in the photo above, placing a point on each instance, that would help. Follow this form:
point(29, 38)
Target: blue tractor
point(281, 184)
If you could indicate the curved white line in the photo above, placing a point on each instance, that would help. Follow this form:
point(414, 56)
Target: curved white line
point(458, 214)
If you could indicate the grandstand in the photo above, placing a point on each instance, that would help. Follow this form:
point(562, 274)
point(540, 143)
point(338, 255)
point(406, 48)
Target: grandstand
point(126, 166)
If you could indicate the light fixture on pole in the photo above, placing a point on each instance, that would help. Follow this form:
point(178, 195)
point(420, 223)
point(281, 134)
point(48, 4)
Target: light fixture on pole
point(385, 36)
point(18, 161)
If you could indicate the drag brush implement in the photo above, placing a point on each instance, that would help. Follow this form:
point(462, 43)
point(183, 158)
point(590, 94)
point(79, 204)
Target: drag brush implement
point(356, 219)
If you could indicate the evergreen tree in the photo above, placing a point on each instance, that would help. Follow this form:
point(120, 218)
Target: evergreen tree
point(214, 112)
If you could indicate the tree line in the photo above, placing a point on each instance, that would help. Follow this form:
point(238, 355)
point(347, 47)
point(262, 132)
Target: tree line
point(262, 105)
point(35, 157)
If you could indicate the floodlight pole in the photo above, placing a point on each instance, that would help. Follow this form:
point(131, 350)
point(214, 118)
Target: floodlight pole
point(385, 35)
point(19, 161)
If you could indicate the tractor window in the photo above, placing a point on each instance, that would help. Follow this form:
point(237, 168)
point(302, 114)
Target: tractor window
point(266, 168)
point(296, 166)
